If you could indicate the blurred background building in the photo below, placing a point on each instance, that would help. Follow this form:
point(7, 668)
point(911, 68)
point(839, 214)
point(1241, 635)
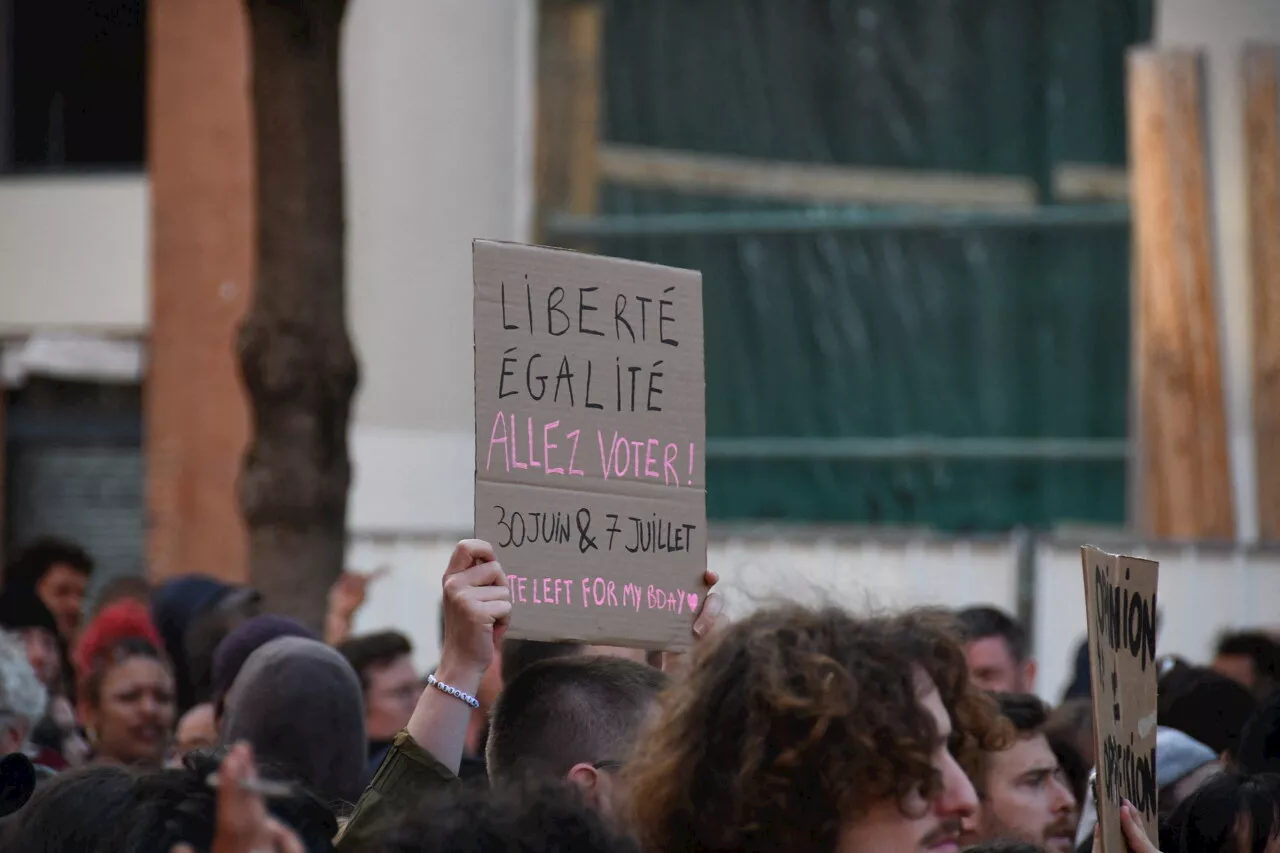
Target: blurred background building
point(912, 218)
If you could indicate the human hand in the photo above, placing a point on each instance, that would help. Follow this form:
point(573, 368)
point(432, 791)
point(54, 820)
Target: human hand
point(349, 591)
point(710, 609)
point(243, 824)
point(1135, 836)
point(477, 605)
point(704, 623)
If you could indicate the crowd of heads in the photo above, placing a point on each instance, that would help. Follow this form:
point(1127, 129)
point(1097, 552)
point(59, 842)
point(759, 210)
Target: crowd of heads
point(186, 715)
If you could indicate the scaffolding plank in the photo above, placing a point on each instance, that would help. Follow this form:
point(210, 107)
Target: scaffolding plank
point(1186, 474)
point(1261, 69)
point(811, 183)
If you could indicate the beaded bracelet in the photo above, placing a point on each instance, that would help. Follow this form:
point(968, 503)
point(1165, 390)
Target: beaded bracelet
point(453, 691)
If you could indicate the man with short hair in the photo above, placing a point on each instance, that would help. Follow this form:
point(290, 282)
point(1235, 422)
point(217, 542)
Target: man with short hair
point(58, 571)
point(519, 655)
point(572, 718)
point(1250, 657)
point(997, 649)
point(1023, 793)
point(384, 663)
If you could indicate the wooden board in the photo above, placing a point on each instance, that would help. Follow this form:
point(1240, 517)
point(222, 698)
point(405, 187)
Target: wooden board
point(1261, 69)
point(1186, 475)
point(813, 183)
point(566, 151)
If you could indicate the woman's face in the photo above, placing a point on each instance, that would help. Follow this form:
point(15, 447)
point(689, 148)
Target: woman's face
point(133, 719)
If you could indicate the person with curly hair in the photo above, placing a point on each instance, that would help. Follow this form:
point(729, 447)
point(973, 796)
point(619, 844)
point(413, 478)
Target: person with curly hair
point(58, 571)
point(815, 730)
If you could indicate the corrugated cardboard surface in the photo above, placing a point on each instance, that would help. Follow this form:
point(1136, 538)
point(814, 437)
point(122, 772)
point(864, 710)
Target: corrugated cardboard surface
point(591, 487)
point(1120, 605)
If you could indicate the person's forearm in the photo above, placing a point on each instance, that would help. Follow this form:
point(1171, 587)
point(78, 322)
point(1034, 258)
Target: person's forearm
point(336, 628)
point(439, 722)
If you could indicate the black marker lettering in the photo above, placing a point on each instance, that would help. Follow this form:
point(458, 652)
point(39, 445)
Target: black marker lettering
point(505, 325)
point(557, 293)
point(505, 373)
point(619, 308)
point(583, 307)
point(663, 319)
point(529, 377)
point(655, 374)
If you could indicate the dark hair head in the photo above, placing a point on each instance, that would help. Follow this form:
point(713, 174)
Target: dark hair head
point(207, 631)
point(31, 564)
point(1259, 648)
point(173, 806)
point(1258, 750)
point(519, 655)
point(569, 711)
point(21, 608)
point(368, 651)
point(1210, 707)
point(120, 588)
point(1229, 812)
point(1027, 713)
point(1253, 644)
point(978, 623)
point(796, 719)
point(70, 811)
point(528, 817)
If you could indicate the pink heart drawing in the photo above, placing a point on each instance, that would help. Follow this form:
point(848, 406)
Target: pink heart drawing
point(693, 602)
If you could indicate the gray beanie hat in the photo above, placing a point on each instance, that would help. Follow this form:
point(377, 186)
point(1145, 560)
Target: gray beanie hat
point(1178, 755)
point(300, 705)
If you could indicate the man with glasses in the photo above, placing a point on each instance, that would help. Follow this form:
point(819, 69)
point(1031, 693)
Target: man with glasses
point(573, 718)
point(384, 663)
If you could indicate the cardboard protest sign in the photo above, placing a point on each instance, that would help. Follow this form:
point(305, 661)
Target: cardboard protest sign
point(590, 427)
point(1120, 605)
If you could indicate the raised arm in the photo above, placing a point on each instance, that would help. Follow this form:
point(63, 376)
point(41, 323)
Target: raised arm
point(477, 604)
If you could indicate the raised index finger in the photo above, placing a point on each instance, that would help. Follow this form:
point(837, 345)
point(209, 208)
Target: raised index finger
point(468, 553)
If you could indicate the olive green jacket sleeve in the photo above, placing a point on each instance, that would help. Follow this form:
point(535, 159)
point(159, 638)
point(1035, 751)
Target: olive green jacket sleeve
point(407, 775)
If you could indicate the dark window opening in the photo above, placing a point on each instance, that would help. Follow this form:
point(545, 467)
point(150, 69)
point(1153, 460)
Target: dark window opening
point(77, 97)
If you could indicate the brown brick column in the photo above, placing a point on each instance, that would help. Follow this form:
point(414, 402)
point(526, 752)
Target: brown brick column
point(200, 163)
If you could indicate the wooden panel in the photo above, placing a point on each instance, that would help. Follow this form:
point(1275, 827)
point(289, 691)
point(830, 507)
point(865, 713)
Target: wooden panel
point(814, 183)
point(1262, 162)
point(1185, 468)
point(566, 154)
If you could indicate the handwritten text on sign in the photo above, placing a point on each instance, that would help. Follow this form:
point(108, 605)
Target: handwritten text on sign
point(589, 435)
point(1120, 600)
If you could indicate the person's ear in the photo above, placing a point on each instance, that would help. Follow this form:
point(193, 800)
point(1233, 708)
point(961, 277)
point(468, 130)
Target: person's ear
point(587, 780)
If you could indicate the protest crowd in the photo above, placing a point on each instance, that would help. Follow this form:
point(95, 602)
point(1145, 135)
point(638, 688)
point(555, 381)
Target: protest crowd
point(182, 718)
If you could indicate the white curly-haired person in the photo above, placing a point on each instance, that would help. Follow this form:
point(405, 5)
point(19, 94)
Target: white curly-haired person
point(22, 696)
